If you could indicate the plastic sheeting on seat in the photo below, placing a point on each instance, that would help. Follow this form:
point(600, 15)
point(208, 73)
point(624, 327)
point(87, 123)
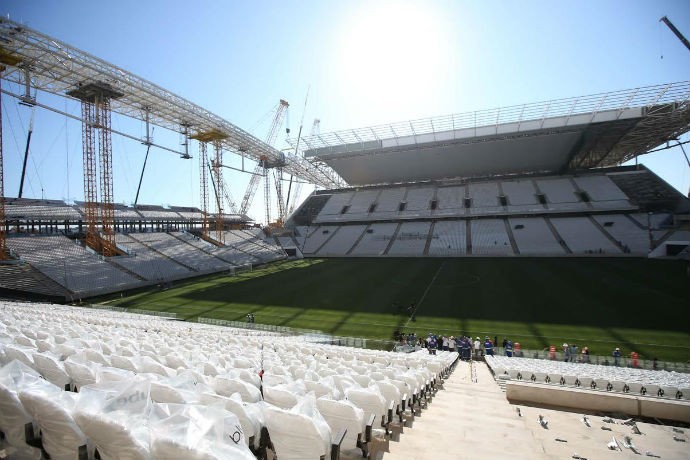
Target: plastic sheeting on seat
point(52, 409)
point(197, 433)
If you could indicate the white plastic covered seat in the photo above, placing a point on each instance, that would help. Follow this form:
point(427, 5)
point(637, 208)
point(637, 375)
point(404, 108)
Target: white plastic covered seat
point(297, 436)
point(227, 386)
point(555, 379)
point(20, 353)
point(586, 382)
point(602, 384)
point(668, 392)
point(570, 380)
point(651, 389)
point(280, 396)
point(193, 432)
point(52, 369)
point(539, 377)
point(322, 388)
point(81, 373)
point(249, 415)
point(371, 401)
point(114, 416)
point(13, 416)
point(52, 409)
point(344, 415)
point(634, 388)
point(617, 385)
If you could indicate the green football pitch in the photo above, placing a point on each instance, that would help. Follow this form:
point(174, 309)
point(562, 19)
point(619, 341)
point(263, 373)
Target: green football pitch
point(637, 304)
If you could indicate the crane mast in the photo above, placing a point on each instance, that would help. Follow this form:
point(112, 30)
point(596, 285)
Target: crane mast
point(264, 164)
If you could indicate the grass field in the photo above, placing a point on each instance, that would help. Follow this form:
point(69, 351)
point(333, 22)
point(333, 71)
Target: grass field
point(636, 304)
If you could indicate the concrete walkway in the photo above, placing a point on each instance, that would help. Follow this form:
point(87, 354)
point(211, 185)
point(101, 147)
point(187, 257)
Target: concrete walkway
point(468, 420)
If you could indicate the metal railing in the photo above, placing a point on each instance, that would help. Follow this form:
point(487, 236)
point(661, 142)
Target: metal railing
point(648, 96)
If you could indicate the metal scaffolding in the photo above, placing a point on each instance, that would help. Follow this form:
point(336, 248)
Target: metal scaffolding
point(220, 190)
point(88, 136)
point(3, 220)
point(203, 185)
point(57, 68)
point(96, 115)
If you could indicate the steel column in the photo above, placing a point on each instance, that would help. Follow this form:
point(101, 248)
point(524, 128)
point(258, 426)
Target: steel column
point(220, 190)
point(203, 184)
point(88, 114)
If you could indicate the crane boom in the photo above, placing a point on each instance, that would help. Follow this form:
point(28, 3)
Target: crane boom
point(677, 33)
point(264, 164)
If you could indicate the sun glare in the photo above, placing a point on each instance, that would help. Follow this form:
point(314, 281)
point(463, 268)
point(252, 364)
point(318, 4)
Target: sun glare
point(393, 56)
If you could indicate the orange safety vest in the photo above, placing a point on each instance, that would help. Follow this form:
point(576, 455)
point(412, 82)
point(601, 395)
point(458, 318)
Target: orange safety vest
point(552, 352)
point(634, 356)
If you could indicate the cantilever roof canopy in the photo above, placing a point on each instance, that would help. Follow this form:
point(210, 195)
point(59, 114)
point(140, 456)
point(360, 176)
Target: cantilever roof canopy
point(555, 136)
point(61, 69)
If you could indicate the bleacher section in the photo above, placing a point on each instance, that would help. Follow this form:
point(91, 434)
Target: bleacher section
point(388, 204)
point(418, 202)
point(489, 237)
point(375, 240)
point(449, 238)
point(561, 195)
point(484, 198)
point(410, 240)
point(147, 263)
point(626, 231)
point(177, 249)
point(28, 209)
point(70, 265)
point(596, 377)
point(521, 196)
point(23, 278)
point(533, 236)
point(193, 390)
point(347, 236)
point(581, 214)
point(157, 212)
point(450, 201)
point(582, 236)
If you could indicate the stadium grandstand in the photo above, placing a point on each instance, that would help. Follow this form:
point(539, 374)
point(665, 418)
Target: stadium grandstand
point(125, 378)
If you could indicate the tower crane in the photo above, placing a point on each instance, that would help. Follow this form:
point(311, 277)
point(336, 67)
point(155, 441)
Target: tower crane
point(676, 32)
point(264, 164)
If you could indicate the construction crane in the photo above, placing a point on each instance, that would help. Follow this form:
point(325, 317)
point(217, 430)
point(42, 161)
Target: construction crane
point(677, 33)
point(264, 164)
point(315, 129)
point(3, 220)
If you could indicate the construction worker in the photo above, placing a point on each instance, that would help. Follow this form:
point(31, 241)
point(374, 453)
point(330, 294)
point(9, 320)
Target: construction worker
point(488, 346)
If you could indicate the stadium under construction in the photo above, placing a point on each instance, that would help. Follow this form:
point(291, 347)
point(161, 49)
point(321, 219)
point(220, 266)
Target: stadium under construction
point(550, 179)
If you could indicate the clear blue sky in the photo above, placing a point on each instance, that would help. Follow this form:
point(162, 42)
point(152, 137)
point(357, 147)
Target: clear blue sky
point(367, 62)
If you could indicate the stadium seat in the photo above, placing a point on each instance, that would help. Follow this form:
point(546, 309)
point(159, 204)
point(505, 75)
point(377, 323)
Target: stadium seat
point(296, 436)
point(51, 407)
point(343, 415)
point(634, 388)
point(585, 382)
point(602, 384)
point(52, 370)
point(651, 389)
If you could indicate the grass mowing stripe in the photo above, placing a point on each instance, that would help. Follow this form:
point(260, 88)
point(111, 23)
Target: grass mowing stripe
point(603, 302)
